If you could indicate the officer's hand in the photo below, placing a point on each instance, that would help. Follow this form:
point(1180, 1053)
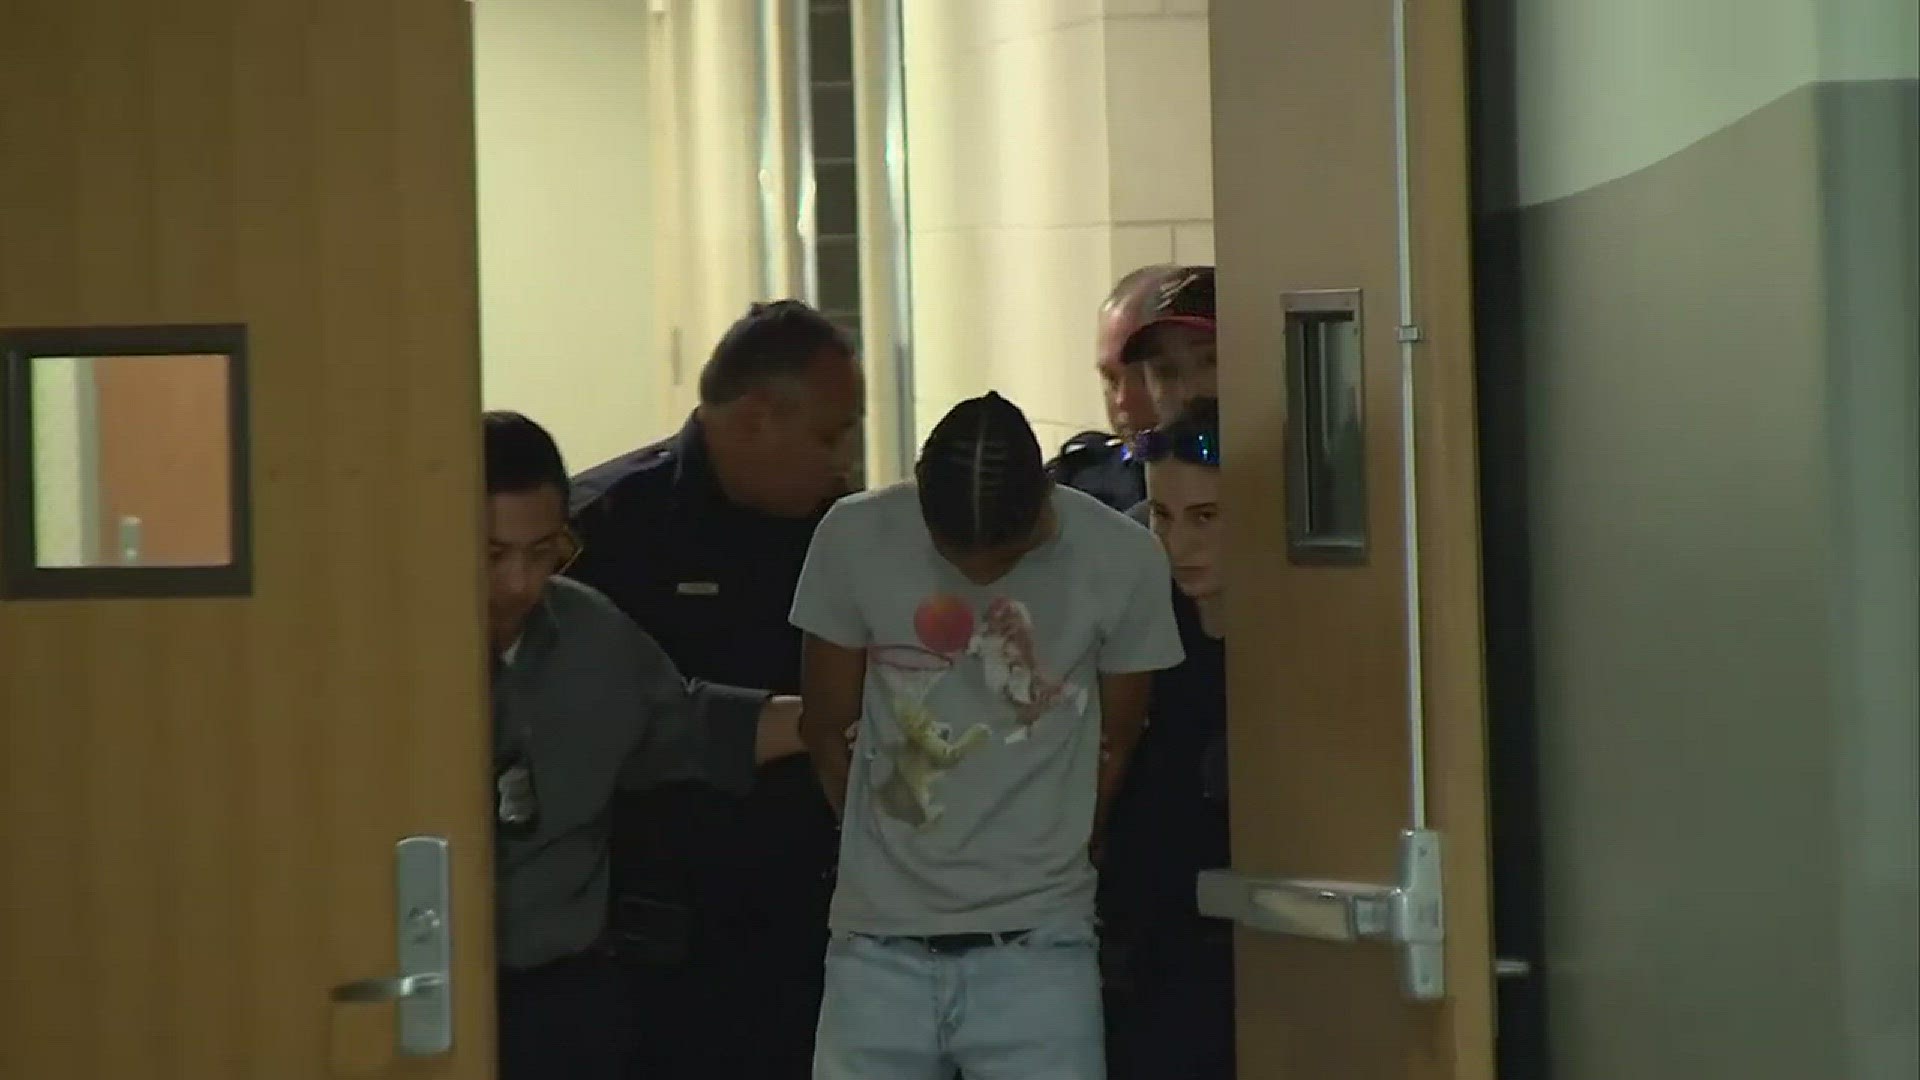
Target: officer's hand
point(778, 735)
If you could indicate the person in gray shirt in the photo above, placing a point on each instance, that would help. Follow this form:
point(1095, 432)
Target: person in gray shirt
point(988, 630)
point(584, 704)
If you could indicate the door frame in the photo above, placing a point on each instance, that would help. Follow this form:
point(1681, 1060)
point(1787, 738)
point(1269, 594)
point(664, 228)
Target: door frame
point(1513, 789)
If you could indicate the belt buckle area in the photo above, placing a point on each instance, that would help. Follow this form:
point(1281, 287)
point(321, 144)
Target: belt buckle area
point(954, 944)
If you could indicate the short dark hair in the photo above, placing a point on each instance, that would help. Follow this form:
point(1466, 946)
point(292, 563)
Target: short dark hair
point(775, 340)
point(521, 455)
point(981, 478)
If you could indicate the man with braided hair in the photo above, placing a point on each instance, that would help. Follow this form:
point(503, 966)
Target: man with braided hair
point(986, 629)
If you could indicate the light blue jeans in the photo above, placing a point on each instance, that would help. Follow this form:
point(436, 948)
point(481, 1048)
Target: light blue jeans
point(1025, 1010)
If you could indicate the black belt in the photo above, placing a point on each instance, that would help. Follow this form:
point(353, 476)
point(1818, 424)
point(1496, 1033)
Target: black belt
point(949, 944)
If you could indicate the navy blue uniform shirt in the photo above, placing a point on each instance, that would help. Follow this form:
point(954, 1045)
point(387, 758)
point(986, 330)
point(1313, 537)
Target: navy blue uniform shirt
point(1097, 463)
point(712, 582)
point(1170, 819)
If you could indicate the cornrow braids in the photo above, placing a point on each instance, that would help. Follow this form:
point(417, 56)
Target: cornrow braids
point(981, 479)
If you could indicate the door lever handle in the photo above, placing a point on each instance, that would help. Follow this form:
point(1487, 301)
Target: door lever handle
point(390, 988)
point(421, 991)
point(1408, 915)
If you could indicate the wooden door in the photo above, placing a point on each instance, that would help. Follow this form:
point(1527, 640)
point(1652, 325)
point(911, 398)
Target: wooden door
point(1307, 204)
point(200, 797)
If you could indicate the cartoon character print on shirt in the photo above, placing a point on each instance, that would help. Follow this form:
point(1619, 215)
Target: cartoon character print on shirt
point(1001, 643)
point(1004, 645)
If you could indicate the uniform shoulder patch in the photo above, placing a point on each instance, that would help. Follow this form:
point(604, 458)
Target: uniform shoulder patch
point(1090, 444)
point(635, 474)
point(1084, 450)
point(1087, 440)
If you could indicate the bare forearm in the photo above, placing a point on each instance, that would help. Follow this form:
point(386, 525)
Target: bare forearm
point(833, 678)
point(1114, 756)
point(826, 744)
point(1123, 716)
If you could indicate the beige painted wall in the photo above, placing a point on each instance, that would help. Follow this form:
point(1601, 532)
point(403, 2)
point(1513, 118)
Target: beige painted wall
point(568, 332)
point(1052, 146)
point(724, 218)
point(62, 486)
point(623, 207)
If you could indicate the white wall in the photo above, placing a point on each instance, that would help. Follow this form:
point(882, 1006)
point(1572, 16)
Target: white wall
point(1052, 146)
point(718, 196)
point(1626, 83)
point(62, 476)
point(567, 325)
point(1721, 357)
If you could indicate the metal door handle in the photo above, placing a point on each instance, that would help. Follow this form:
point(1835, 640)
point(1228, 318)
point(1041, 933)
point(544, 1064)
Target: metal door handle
point(422, 992)
point(391, 988)
point(1408, 915)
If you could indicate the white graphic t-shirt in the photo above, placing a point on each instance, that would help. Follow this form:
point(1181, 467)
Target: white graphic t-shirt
point(974, 777)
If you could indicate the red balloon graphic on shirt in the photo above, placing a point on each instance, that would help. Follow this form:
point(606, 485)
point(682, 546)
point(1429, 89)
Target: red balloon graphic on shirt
point(944, 623)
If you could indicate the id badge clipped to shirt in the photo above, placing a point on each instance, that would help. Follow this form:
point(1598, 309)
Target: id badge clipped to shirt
point(516, 801)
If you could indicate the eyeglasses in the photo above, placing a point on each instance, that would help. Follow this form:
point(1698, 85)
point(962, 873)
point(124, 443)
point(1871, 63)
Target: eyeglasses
point(549, 557)
point(1192, 447)
point(570, 551)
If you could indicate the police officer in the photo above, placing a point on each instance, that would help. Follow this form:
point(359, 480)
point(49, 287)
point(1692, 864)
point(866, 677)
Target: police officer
point(700, 539)
point(1171, 350)
point(584, 705)
point(1172, 346)
point(1095, 461)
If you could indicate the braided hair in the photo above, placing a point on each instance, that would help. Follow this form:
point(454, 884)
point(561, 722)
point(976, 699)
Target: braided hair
point(981, 479)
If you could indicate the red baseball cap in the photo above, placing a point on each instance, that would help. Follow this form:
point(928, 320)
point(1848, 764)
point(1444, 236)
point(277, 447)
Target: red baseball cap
point(1184, 299)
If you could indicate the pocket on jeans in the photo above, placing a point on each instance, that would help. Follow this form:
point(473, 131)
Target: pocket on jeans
point(845, 943)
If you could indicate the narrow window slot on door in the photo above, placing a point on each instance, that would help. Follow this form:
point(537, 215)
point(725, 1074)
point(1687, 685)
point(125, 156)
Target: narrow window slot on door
point(1325, 429)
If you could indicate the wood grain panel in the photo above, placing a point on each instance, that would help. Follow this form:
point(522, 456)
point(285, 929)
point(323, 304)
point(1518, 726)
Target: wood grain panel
point(1305, 199)
point(201, 796)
